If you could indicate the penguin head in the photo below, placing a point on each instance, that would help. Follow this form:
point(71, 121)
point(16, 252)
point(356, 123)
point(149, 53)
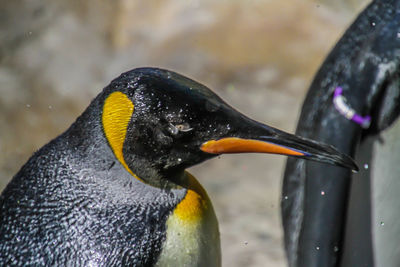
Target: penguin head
point(167, 122)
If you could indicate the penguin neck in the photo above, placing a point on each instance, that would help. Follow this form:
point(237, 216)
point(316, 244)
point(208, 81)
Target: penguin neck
point(156, 177)
point(101, 158)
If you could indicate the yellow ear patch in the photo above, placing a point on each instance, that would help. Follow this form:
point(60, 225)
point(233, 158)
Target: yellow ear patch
point(117, 113)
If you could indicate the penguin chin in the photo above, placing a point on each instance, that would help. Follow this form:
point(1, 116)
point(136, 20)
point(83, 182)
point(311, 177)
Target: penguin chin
point(163, 174)
point(153, 178)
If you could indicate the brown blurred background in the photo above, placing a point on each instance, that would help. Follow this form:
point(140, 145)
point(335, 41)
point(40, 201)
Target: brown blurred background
point(258, 55)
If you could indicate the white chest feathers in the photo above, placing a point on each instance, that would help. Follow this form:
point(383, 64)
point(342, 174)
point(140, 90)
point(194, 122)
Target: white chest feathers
point(192, 232)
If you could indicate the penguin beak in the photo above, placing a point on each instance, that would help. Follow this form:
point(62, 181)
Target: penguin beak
point(260, 138)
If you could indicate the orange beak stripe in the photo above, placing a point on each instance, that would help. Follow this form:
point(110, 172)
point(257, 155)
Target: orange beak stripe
point(239, 145)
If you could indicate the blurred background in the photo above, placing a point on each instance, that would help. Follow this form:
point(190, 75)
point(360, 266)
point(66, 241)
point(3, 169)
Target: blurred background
point(258, 55)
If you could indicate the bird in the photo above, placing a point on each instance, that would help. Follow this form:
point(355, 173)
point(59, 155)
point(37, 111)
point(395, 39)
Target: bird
point(358, 207)
point(112, 190)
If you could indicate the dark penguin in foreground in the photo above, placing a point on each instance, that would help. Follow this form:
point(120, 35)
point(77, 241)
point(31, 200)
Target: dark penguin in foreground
point(112, 190)
point(332, 217)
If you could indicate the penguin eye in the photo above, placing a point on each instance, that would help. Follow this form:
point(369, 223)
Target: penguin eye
point(185, 127)
point(175, 129)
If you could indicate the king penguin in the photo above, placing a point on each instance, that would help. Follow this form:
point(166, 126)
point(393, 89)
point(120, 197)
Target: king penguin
point(361, 209)
point(112, 190)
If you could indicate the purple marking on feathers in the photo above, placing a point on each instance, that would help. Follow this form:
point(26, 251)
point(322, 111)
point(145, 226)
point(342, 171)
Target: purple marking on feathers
point(340, 104)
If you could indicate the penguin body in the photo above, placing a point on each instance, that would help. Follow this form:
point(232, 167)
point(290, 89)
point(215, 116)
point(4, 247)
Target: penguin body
point(192, 237)
point(53, 212)
point(366, 64)
point(113, 191)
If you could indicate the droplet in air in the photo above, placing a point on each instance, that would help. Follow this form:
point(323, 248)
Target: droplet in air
point(373, 24)
point(366, 166)
point(322, 193)
point(335, 248)
point(28, 105)
point(398, 35)
point(231, 87)
point(179, 160)
point(50, 107)
point(286, 197)
point(317, 248)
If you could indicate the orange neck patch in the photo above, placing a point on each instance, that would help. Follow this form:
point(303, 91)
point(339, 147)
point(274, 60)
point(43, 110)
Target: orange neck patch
point(196, 202)
point(117, 113)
